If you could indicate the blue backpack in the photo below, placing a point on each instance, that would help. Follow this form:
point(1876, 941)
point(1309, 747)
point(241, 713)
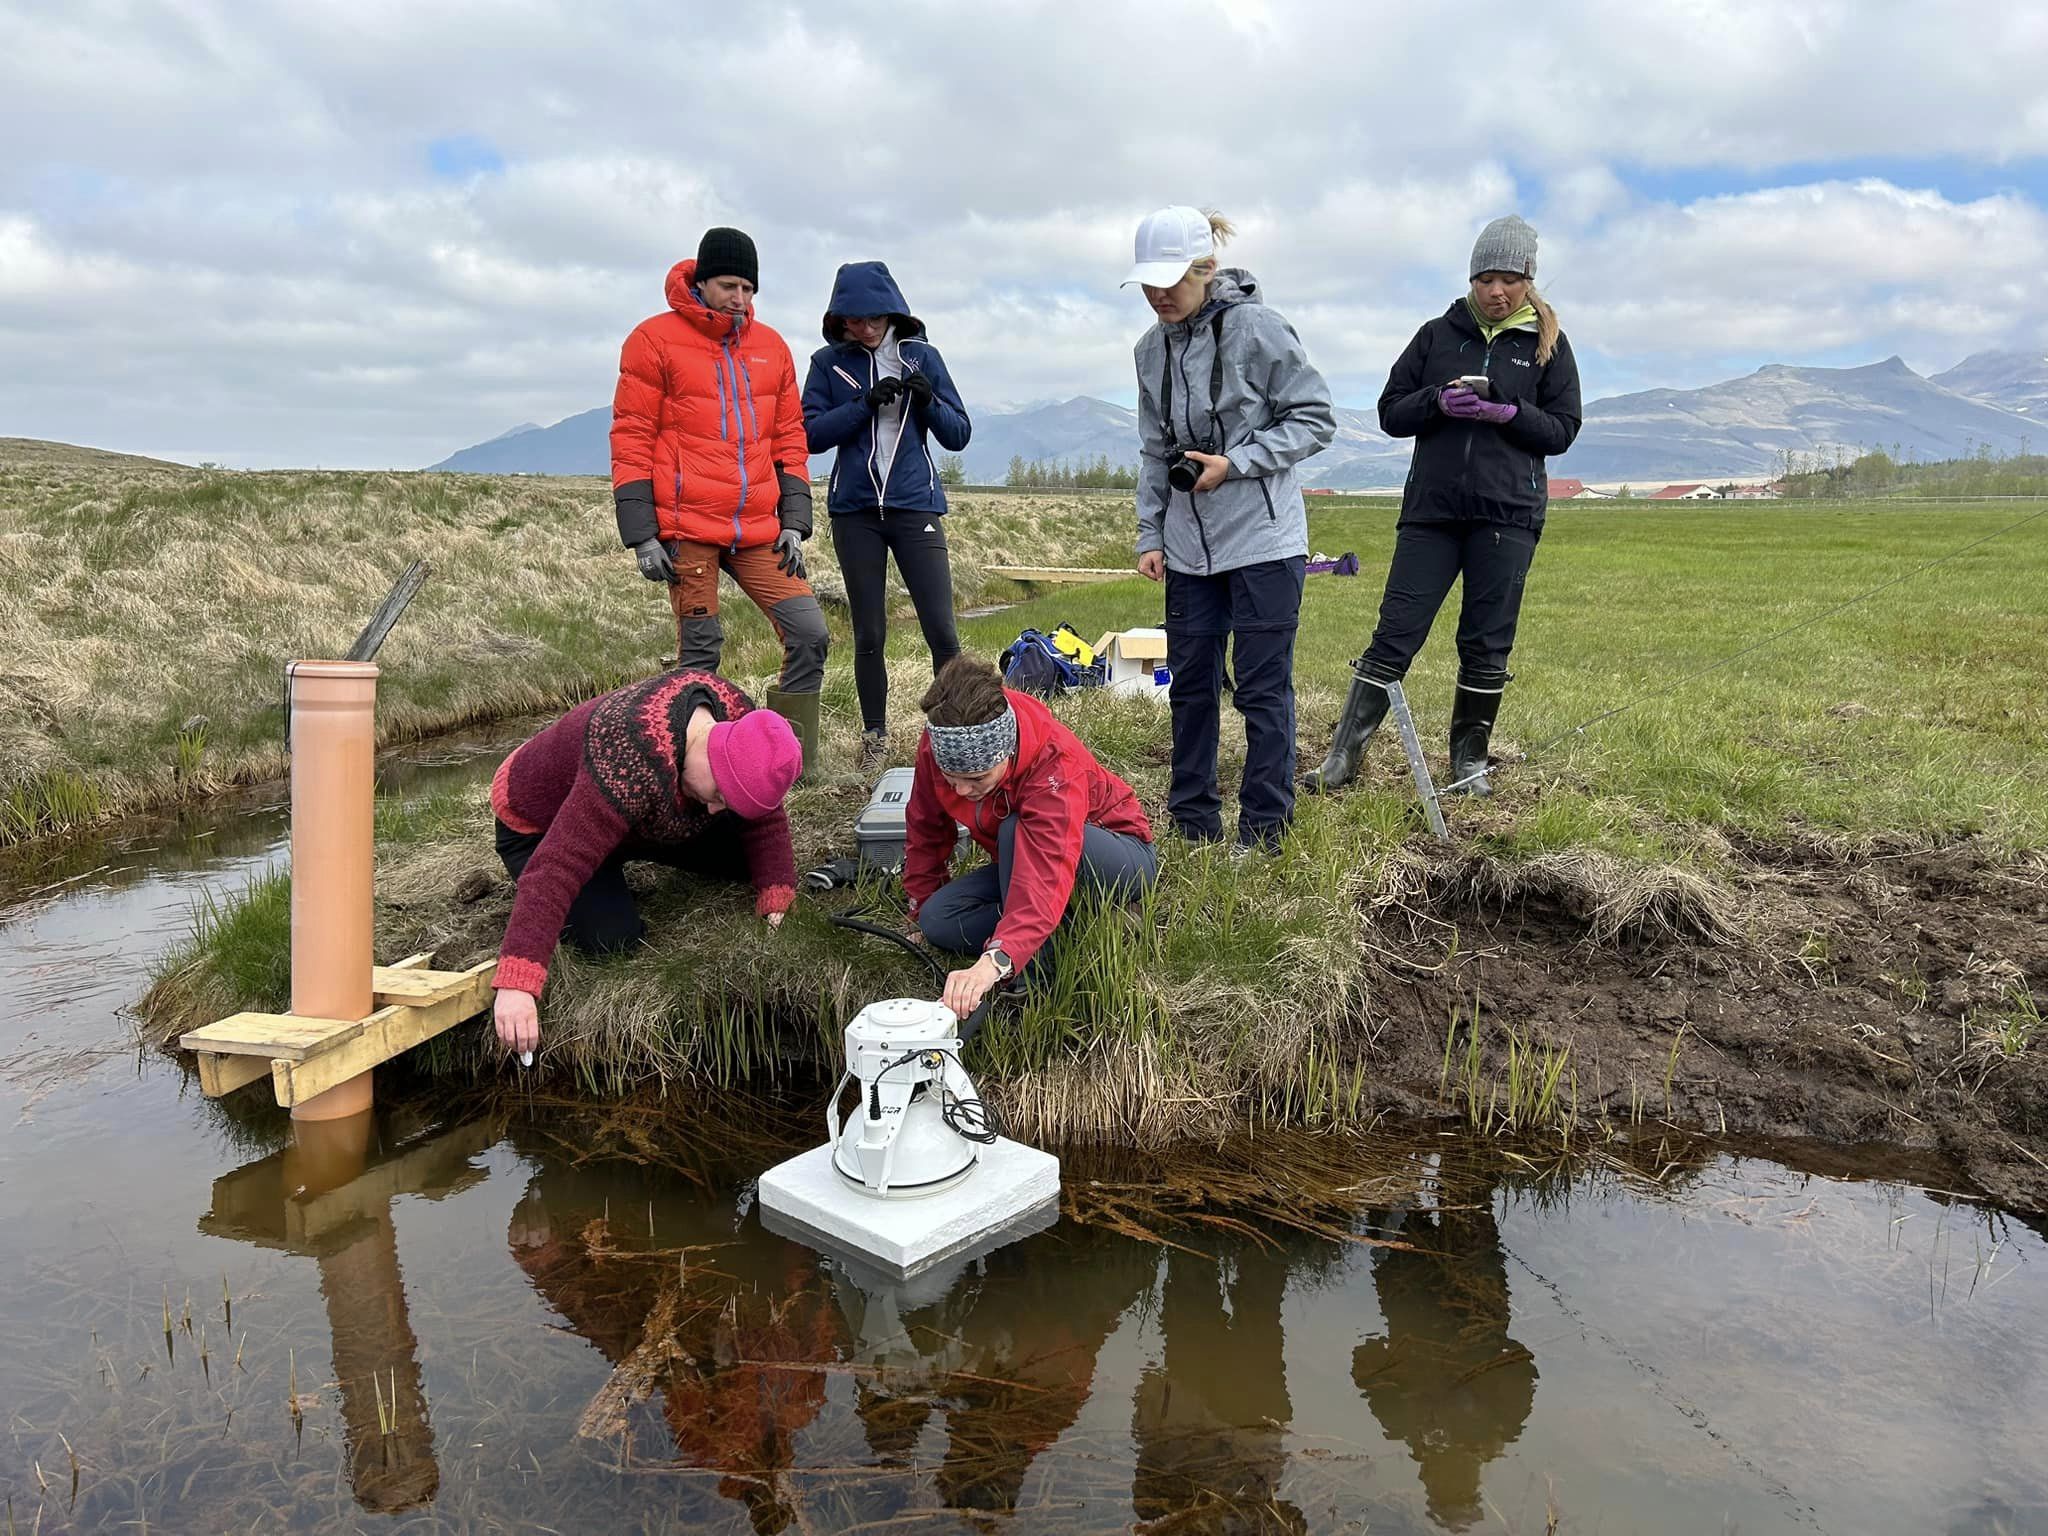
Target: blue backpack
point(1036, 663)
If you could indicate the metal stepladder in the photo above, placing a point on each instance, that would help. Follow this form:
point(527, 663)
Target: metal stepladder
point(1418, 765)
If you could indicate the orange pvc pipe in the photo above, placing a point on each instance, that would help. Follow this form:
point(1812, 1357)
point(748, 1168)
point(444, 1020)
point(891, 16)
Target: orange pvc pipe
point(334, 739)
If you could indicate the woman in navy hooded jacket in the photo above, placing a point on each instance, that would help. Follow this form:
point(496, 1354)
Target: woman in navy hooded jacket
point(875, 393)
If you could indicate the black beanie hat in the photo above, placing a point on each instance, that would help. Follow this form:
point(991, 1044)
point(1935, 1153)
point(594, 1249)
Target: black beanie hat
point(727, 253)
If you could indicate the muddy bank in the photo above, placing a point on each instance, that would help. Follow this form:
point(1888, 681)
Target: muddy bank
point(1888, 999)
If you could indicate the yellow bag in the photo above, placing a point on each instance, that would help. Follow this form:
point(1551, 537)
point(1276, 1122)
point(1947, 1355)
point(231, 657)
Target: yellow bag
point(1072, 646)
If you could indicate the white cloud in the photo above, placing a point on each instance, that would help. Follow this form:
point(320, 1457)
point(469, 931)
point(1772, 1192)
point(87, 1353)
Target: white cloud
point(225, 240)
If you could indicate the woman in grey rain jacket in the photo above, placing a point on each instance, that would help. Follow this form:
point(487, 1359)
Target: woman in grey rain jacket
point(1228, 405)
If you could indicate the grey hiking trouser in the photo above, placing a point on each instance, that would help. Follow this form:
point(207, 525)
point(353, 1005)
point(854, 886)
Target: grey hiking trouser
point(961, 915)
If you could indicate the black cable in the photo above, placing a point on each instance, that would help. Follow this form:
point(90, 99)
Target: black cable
point(876, 930)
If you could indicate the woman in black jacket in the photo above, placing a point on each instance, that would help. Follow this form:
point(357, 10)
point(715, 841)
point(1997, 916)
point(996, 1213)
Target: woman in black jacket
point(1488, 390)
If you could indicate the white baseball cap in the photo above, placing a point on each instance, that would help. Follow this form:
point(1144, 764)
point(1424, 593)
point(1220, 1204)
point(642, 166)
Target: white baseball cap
point(1169, 242)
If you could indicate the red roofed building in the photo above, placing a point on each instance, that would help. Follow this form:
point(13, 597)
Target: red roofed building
point(1686, 493)
point(1565, 490)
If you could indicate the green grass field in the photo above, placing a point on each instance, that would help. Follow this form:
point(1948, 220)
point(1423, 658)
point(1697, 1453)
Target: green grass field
point(1917, 715)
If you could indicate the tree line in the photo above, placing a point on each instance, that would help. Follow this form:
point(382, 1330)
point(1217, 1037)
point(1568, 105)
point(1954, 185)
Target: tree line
point(1877, 472)
point(1096, 474)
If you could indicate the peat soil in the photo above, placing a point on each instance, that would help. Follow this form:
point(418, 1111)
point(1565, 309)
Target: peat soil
point(1884, 1000)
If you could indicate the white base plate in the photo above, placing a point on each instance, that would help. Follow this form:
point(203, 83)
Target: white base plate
point(808, 1198)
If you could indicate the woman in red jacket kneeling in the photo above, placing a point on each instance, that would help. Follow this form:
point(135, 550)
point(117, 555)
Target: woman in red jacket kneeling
point(1035, 799)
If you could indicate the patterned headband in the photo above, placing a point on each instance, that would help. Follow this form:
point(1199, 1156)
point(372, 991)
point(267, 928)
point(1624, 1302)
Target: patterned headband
point(967, 751)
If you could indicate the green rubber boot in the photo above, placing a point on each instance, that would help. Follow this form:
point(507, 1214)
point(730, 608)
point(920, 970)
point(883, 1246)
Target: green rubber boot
point(801, 711)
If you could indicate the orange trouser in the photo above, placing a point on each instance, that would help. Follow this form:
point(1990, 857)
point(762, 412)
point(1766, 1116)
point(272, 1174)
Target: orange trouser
point(787, 600)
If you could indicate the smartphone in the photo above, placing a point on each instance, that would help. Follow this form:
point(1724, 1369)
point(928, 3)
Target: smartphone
point(1478, 383)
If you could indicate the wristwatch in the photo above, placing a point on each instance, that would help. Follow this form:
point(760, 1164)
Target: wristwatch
point(1000, 961)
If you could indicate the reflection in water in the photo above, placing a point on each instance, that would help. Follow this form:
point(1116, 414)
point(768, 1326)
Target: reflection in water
point(718, 1327)
point(740, 1334)
point(328, 1196)
point(1002, 1344)
point(1445, 1377)
point(1211, 1418)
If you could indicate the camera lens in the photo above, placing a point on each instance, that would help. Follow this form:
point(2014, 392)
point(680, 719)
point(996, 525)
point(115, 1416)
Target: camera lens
point(1182, 473)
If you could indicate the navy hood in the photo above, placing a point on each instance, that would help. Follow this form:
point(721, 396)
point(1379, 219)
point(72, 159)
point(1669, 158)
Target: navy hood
point(865, 288)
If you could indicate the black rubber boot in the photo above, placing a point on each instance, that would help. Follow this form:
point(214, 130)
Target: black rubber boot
point(1365, 706)
point(1472, 717)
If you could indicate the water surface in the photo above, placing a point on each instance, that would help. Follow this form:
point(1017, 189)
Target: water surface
point(514, 1313)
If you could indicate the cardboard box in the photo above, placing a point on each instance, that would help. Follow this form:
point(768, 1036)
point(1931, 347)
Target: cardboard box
point(1136, 659)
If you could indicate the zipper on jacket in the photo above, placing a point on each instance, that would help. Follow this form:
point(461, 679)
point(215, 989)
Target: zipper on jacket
point(875, 442)
point(1201, 528)
point(1485, 367)
point(740, 446)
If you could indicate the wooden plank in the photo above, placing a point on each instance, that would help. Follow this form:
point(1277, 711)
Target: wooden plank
point(1062, 572)
point(224, 1074)
point(221, 1073)
point(416, 987)
point(386, 1033)
point(273, 1035)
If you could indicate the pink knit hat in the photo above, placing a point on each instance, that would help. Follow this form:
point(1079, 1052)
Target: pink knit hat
point(754, 760)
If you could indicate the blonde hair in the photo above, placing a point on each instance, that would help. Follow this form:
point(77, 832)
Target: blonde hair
point(1546, 326)
point(1220, 231)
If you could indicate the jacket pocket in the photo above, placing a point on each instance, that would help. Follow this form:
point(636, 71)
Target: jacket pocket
point(1267, 492)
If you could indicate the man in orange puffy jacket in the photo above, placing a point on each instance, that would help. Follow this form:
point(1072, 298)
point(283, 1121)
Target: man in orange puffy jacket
point(710, 470)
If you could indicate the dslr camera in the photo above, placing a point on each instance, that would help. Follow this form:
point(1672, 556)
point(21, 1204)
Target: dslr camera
point(1183, 472)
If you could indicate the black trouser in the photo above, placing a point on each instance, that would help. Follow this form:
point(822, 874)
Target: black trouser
point(603, 919)
point(1261, 605)
point(863, 541)
point(1428, 557)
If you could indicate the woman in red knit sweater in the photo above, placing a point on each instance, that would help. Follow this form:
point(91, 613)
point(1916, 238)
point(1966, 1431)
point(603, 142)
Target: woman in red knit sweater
point(682, 770)
point(1050, 817)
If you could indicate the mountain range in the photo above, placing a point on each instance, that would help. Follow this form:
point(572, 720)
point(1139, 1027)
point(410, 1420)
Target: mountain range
point(1740, 428)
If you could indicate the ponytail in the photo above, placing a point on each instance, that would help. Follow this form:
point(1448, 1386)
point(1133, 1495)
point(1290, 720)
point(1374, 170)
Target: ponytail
point(1546, 327)
point(1220, 231)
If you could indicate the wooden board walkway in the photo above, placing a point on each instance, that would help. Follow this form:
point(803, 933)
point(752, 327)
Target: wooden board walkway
point(303, 1056)
point(1062, 573)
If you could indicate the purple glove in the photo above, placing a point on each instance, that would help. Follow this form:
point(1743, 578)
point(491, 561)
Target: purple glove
point(1461, 403)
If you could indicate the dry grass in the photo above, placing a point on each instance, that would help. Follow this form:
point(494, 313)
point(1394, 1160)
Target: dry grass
point(149, 611)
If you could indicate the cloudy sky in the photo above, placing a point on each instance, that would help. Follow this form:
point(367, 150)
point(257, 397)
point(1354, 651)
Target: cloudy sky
point(369, 233)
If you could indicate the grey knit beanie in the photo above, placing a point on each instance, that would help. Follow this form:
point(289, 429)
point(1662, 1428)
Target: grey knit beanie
point(1505, 245)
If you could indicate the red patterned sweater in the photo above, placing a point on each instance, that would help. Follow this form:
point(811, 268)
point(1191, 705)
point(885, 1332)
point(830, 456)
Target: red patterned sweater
point(607, 775)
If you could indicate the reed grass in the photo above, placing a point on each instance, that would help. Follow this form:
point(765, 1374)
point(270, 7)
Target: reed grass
point(1525, 1087)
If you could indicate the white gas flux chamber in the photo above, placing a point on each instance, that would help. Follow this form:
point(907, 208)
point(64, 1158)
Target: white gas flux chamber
point(913, 1171)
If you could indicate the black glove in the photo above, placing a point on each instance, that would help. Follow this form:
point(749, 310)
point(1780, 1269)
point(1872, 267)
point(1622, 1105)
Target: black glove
point(920, 388)
point(656, 564)
point(885, 392)
point(789, 553)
